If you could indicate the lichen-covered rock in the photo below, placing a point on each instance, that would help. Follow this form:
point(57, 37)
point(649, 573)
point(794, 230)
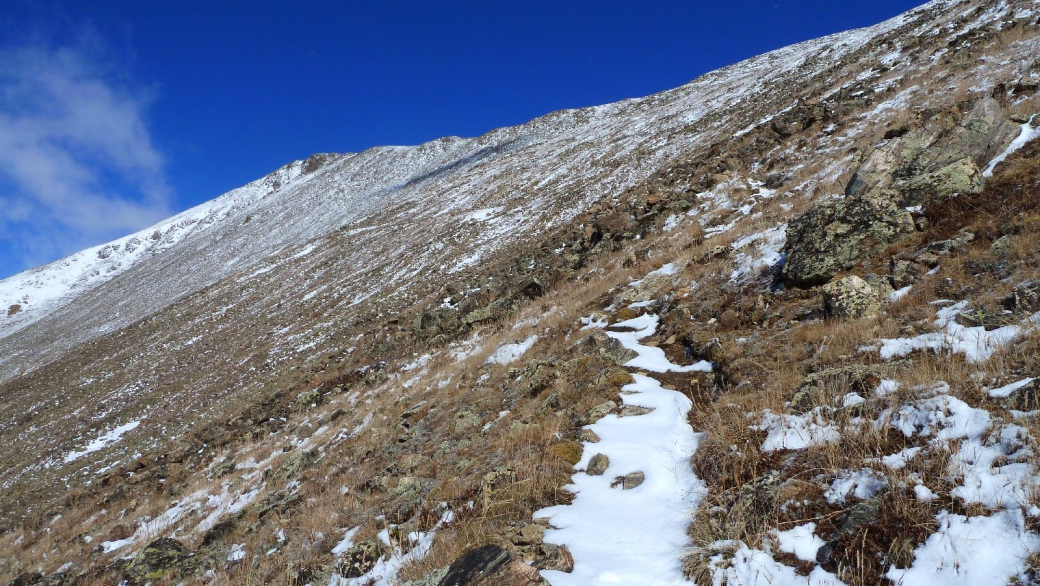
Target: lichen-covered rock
point(159, 559)
point(931, 162)
point(836, 234)
point(1026, 296)
point(599, 342)
point(359, 559)
point(851, 298)
point(960, 176)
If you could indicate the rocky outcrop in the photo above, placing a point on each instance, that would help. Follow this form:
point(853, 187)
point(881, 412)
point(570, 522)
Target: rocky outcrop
point(835, 234)
point(931, 162)
point(937, 159)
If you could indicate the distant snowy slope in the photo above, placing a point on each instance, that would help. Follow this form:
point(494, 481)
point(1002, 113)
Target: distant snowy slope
point(405, 213)
point(33, 294)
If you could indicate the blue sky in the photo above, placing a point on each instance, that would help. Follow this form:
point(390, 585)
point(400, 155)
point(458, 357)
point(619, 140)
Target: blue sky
point(116, 114)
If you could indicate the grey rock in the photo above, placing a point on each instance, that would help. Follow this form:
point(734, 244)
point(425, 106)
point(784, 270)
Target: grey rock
point(634, 410)
point(597, 465)
point(1026, 296)
point(600, 411)
point(628, 481)
point(599, 342)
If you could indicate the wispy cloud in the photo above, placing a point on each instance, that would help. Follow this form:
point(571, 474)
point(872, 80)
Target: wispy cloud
point(77, 164)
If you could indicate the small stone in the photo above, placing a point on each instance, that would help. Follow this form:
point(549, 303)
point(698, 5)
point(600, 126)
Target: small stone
point(634, 410)
point(600, 411)
point(530, 534)
point(597, 465)
point(928, 259)
point(628, 481)
point(587, 435)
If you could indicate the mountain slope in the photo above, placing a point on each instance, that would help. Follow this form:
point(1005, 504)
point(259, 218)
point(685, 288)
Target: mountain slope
point(326, 360)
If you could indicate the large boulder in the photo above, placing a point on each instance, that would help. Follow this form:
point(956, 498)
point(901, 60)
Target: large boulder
point(836, 234)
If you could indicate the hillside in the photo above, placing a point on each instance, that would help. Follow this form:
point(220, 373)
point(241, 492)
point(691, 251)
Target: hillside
point(778, 325)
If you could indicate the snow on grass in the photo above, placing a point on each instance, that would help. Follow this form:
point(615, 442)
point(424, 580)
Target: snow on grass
point(635, 536)
point(967, 552)
point(103, 441)
point(1011, 388)
point(976, 343)
point(755, 567)
point(762, 249)
point(650, 358)
point(801, 541)
point(508, 353)
point(796, 432)
point(994, 468)
point(384, 573)
point(863, 484)
point(1027, 134)
point(899, 294)
point(346, 543)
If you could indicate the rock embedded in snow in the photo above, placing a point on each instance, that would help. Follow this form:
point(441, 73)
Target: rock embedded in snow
point(629, 481)
point(597, 465)
point(633, 411)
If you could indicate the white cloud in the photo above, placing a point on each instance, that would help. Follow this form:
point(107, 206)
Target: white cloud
point(77, 163)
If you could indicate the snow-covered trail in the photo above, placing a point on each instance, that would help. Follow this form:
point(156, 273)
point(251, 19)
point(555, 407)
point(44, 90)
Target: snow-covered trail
point(620, 528)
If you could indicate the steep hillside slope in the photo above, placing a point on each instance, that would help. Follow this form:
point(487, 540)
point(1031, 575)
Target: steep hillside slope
point(362, 367)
